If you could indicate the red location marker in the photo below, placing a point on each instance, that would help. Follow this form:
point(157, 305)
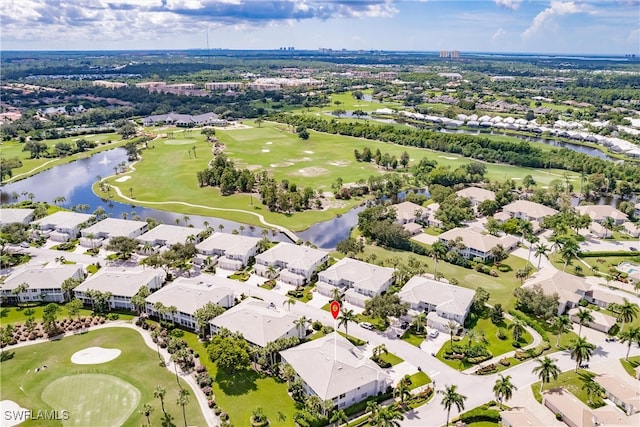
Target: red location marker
point(335, 309)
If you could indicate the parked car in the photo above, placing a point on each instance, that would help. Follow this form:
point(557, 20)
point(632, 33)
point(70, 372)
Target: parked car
point(366, 325)
point(633, 248)
point(434, 333)
point(404, 325)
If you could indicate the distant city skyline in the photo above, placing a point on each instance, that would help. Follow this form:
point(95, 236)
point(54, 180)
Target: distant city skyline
point(607, 27)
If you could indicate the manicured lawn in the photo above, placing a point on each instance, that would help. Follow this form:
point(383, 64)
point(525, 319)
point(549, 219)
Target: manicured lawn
point(571, 381)
point(111, 391)
point(495, 345)
point(412, 338)
point(239, 394)
point(10, 315)
point(419, 379)
point(391, 358)
point(501, 288)
point(631, 364)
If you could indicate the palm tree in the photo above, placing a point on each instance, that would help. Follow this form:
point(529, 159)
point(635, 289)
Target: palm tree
point(541, 250)
point(438, 251)
point(22, 287)
point(379, 350)
point(159, 393)
point(419, 321)
point(452, 327)
point(627, 312)
point(220, 227)
point(546, 370)
point(402, 391)
point(288, 373)
point(561, 324)
point(339, 417)
point(147, 409)
point(569, 250)
point(313, 403)
point(504, 388)
point(521, 274)
point(388, 416)
point(584, 318)
point(345, 317)
point(518, 327)
point(451, 398)
point(301, 325)
point(336, 295)
point(288, 302)
point(630, 336)
point(581, 350)
point(183, 400)
point(592, 388)
point(271, 272)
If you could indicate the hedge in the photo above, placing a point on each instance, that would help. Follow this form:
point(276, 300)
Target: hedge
point(606, 254)
point(479, 415)
point(531, 322)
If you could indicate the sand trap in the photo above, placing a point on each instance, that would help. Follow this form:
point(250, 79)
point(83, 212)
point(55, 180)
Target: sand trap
point(302, 159)
point(449, 158)
point(11, 412)
point(268, 143)
point(339, 163)
point(94, 355)
point(123, 178)
point(308, 152)
point(265, 150)
point(281, 165)
point(312, 171)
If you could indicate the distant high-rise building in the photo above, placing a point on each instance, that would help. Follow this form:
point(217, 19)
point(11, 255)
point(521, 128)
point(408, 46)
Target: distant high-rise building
point(450, 54)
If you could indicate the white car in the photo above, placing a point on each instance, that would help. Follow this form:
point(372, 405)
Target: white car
point(434, 333)
point(366, 325)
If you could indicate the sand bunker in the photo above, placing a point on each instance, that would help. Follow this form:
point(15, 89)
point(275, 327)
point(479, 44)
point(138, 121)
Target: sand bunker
point(311, 171)
point(339, 163)
point(123, 178)
point(265, 150)
point(11, 413)
point(308, 152)
point(449, 158)
point(94, 355)
point(302, 159)
point(281, 165)
point(268, 143)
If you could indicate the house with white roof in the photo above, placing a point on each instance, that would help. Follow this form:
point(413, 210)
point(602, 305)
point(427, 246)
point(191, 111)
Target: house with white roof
point(477, 195)
point(573, 412)
point(96, 234)
point(569, 288)
point(334, 369)
point(62, 225)
point(123, 283)
point(631, 229)
point(232, 250)
point(258, 321)
point(358, 280)
point(600, 213)
point(601, 322)
point(520, 417)
point(294, 263)
point(525, 209)
point(407, 212)
point(165, 235)
point(44, 283)
point(599, 230)
point(622, 391)
point(476, 244)
point(602, 298)
point(449, 302)
point(12, 215)
point(190, 294)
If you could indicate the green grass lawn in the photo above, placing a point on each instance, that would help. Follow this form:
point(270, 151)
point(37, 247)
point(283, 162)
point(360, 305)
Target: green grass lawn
point(11, 315)
point(167, 172)
point(391, 358)
point(501, 288)
point(495, 345)
point(238, 395)
point(419, 379)
point(572, 382)
point(631, 364)
point(110, 393)
point(412, 338)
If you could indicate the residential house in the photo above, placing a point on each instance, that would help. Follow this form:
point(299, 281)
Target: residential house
point(332, 368)
point(294, 263)
point(407, 212)
point(122, 283)
point(185, 120)
point(600, 213)
point(13, 215)
point(232, 250)
point(520, 417)
point(358, 280)
point(44, 283)
point(569, 288)
point(449, 302)
point(599, 230)
point(531, 211)
point(602, 298)
point(93, 236)
point(188, 295)
point(472, 243)
point(62, 225)
point(636, 210)
point(601, 322)
point(622, 391)
point(477, 195)
point(631, 229)
point(259, 322)
point(572, 411)
point(165, 235)
point(413, 228)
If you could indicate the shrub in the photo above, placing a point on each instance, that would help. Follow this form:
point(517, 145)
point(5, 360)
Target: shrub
point(505, 362)
point(478, 415)
point(489, 369)
point(207, 391)
point(583, 302)
point(211, 403)
point(501, 334)
point(504, 268)
point(479, 359)
point(316, 325)
point(201, 368)
point(493, 273)
point(217, 410)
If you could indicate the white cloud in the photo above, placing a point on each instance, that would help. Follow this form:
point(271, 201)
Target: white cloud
point(498, 34)
point(557, 8)
point(634, 36)
point(509, 4)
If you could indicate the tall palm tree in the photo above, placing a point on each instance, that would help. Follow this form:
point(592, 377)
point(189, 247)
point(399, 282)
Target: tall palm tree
point(158, 393)
point(438, 251)
point(541, 250)
point(452, 327)
point(584, 318)
point(591, 387)
point(301, 325)
point(288, 302)
point(22, 287)
point(388, 416)
point(336, 295)
point(346, 316)
point(518, 327)
point(402, 391)
point(627, 312)
point(183, 400)
point(561, 324)
point(419, 321)
point(339, 417)
point(546, 370)
point(147, 409)
point(452, 398)
point(379, 350)
point(630, 336)
point(568, 251)
point(581, 350)
point(504, 388)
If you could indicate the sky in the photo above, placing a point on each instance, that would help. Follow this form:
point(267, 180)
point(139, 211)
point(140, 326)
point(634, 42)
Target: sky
point(536, 26)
